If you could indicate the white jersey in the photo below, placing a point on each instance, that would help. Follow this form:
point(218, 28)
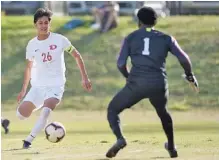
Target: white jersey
point(48, 60)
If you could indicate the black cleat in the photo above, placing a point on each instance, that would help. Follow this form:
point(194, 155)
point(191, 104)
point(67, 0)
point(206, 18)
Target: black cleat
point(26, 144)
point(172, 152)
point(5, 124)
point(120, 144)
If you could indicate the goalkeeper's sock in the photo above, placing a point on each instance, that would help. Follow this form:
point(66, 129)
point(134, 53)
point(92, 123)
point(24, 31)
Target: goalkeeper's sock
point(114, 122)
point(167, 127)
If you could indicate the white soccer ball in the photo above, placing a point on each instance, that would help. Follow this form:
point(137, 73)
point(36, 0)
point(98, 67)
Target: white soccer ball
point(55, 132)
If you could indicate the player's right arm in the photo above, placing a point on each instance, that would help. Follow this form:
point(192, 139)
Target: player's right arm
point(27, 76)
point(122, 59)
point(27, 72)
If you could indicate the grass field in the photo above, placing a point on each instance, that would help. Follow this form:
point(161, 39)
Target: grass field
point(88, 136)
point(196, 34)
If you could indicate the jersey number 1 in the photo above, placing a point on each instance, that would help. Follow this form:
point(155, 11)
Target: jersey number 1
point(146, 47)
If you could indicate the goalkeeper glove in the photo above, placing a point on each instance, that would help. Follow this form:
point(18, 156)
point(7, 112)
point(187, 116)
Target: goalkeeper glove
point(191, 79)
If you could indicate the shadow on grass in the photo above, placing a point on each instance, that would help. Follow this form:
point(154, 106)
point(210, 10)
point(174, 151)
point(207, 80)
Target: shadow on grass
point(21, 153)
point(12, 149)
point(119, 159)
point(159, 157)
point(25, 153)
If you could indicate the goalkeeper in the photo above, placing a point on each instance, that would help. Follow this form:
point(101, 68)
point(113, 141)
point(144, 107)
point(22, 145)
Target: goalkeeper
point(148, 49)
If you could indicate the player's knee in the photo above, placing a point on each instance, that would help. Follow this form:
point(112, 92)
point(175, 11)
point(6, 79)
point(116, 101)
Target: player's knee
point(112, 111)
point(51, 103)
point(162, 112)
point(111, 108)
point(115, 107)
point(20, 116)
point(23, 112)
point(111, 114)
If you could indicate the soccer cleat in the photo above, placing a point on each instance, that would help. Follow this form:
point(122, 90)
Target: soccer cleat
point(172, 152)
point(5, 124)
point(120, 144)
point(26, 144)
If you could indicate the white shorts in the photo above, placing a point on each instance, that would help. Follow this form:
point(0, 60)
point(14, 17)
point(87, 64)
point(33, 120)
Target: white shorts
point(37, 95)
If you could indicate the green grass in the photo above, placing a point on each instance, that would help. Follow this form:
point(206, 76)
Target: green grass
point(196, 34)
point(196, 138)
point(88, 135)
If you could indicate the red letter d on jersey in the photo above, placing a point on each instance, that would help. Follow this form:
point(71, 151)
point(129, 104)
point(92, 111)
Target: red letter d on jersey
point(52, 47)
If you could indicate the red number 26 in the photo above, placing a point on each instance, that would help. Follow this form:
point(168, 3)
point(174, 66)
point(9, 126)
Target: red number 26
point(46, 57)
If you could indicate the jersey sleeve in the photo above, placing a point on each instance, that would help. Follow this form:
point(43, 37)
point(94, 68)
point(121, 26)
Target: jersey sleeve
point(182, 56)
point(29, 52)
point(67, 46)
point(122, 59)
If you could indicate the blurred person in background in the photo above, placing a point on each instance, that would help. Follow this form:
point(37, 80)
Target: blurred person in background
point(106, 16)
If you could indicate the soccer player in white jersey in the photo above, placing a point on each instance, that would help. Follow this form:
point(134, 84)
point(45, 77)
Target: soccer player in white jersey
point(45, 70)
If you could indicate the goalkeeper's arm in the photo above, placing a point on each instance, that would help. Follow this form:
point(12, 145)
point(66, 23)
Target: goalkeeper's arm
point(185, 62)
point(183, 58)
point(122, 59)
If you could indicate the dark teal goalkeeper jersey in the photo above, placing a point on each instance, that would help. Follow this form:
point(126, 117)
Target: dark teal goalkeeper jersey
point(148, 50)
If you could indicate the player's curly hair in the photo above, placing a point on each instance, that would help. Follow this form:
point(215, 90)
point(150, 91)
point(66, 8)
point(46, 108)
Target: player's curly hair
point(42, 12)
point(147, 16)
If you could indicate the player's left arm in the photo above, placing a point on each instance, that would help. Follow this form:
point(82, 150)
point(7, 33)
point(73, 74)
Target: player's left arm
point(75, 53)
point(122, 59)
point(182, 56)
point(185, 62)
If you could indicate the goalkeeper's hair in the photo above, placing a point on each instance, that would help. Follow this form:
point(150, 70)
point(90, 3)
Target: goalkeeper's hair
point(42, 12)
point(147, 16)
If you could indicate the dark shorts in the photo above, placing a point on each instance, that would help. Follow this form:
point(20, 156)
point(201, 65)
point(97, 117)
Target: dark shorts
point(135, 91)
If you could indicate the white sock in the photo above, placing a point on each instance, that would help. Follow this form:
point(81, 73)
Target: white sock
point(40, 124)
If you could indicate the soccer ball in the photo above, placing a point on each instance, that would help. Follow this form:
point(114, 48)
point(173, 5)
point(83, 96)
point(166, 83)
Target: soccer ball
point(55, 132)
